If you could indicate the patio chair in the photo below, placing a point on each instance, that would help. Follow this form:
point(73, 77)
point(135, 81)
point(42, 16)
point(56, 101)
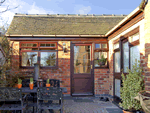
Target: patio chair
point(12, 99)
point(49, 94)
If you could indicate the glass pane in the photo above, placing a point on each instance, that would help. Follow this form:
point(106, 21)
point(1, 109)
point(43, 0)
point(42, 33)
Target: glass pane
point(48, 59)
point(23, 45)
point(79, 56)
point(117, 61)
point(116, 45)
point(29, 58)
point(99, 54)
point(42, 45)
point(134, 55)
point(47, 45)
point(125, 56)
point(82, 69)
point(117, 87)
point(96, 63)
point(83, 62)
point(29, 45)
point(34, 45)
point(81, 49)
point(104, 45)
point(82, 59)
point(52, 45)
point(97, 45)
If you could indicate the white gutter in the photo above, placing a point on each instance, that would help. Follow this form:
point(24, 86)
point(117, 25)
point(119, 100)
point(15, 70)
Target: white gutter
point(56, 35)
point(120, 23)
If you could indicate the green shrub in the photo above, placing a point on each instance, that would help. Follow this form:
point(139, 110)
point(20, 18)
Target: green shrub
point(132, 84)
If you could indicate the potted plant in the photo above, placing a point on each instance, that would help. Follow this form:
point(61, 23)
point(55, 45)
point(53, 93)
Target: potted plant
point(47, 84)
point(31, 83)
point(19, 83)
point(102, 61)
point(132, 83)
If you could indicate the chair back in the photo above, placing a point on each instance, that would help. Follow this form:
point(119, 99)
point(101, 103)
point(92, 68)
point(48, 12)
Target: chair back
point(53, 83)
point(49, 93)
point(26, 82)
point(10, 94)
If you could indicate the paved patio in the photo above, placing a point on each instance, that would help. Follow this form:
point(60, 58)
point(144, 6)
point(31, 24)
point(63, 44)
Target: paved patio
point(85, 105)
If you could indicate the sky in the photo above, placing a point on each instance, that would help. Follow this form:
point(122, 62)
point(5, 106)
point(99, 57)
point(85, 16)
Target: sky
point(117, 7)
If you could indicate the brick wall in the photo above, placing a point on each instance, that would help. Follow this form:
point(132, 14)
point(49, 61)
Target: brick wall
point(147, 46)
point(101, 81)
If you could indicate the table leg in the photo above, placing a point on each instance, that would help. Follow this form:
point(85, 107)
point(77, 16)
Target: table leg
point(33, 102)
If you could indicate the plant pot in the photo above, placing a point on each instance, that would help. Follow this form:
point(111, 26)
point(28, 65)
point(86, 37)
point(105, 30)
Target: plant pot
point(127, 111)
point(102, 63)
point(47, 85)
point(19, 86)
point(31, 86)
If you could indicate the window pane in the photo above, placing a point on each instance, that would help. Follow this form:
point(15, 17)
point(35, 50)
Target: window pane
point(29, 58)
point(116, 45)
point(125, 56)
point(42, 45)
point(47, 45)
point(104, 45)
point(53, 45)
point(134, 54)
point(48, 59)
point(97, 45)
point(98, 56)
point(117, 61)
point(28, 45)
point(117, 87)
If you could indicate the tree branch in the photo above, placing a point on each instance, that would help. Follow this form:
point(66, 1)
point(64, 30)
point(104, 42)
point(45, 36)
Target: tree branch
point(7, 9)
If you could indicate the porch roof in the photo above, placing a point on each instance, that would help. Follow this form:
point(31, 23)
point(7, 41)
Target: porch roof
point(24, 24)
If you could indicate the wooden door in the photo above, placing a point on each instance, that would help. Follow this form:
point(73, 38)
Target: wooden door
point(82, 80)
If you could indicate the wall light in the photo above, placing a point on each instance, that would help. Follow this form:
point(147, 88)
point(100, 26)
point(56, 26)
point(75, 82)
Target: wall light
point(64, 47)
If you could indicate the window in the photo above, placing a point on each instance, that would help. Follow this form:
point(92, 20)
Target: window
point(125, 56)
point(134, 37)
point(134, 55)
point(48, 59)
point(101, 55)
point(44, 53)
point(117, 87)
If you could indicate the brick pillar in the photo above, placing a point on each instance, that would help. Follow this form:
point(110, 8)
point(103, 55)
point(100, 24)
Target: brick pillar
point(147, 45)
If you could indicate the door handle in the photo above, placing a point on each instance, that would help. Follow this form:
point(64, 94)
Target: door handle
point(91, 66)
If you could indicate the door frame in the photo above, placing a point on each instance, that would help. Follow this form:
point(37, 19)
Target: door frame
point(71, 63)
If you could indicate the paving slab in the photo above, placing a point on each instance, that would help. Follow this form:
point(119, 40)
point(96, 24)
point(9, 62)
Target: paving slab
point(84, 105)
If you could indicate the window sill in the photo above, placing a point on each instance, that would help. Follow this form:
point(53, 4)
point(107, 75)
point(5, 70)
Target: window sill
point(102, 67)
point(56, 67)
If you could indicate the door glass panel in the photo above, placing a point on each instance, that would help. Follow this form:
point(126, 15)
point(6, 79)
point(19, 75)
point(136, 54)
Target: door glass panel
point(125, 56)
point(117, 87)
point(134, 55)
point(117, 61)
point(82, 58)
